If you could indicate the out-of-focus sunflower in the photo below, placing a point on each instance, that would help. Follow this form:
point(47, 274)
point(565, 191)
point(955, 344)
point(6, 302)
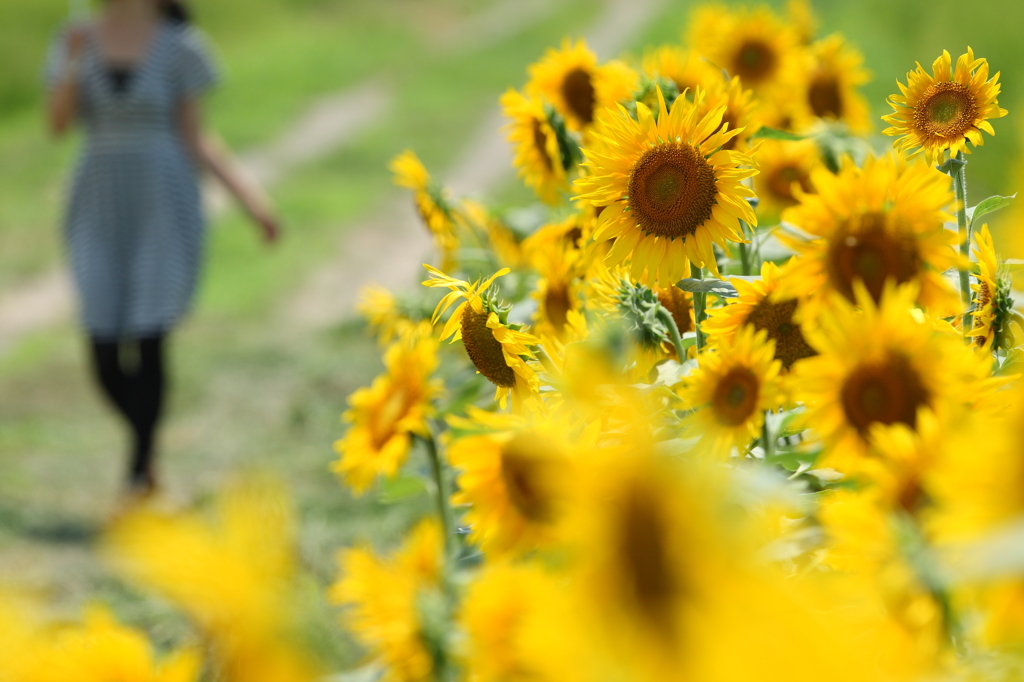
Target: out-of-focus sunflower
point(759, 306)
point(231, 572)
point(393, 602)
point(501, 606)
point(432, 202)
point(873, 224)
point(679, 304)
point(836, 71)
point(802, 19)
point(992, 301)
point(578, 87)
point(731, 389)
point(387, 414)
point(785, 167)
point(687, 69)
point(873, 393)
point(512, 476)
point(567, 234)
point(498, 350)
point(505, 244)
point(537, 155)
point(740, 109)
point(756, 45)
point(383, 314)
point(100, 649)
point(947, 109)
point(558, 291)
point(668, 189)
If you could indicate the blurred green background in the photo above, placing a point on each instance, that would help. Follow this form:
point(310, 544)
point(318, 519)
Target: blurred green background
point(248, 391)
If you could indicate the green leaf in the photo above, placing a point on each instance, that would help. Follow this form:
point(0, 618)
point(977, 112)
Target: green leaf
point(793, 460)
point(776, 134)
point(1013, 264)
point(707, 286)
point(990, 205)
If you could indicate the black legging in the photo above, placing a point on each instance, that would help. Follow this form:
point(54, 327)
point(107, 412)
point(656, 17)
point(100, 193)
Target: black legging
point(136, 388)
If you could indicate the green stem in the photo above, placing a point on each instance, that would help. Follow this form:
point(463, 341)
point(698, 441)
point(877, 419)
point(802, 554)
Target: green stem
point(699, 300)
point(745, 264)
point(673, 332)
point(767, 441)
point(444, 510)
point(958, 172)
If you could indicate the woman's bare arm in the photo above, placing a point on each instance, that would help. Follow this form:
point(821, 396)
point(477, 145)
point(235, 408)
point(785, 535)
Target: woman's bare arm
point(208, 151)
point(63, 101)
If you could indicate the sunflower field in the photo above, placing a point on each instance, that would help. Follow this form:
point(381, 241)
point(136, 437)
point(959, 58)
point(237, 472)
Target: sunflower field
point(738, 399)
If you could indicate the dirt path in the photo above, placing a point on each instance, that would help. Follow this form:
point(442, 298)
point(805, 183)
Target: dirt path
point(390, 249)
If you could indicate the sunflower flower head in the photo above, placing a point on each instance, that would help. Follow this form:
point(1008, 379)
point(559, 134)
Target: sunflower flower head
point(386, 415)
point(832, 84)
point(947, 109)
point(538, 155)
point(759, 306)
point(394, 605)
point(433, 204)
point(573, 81)
point(498, 350)
point(993, 304)
point(668, 188)
point(882, 222)
point(786, 169)
point(732, 388)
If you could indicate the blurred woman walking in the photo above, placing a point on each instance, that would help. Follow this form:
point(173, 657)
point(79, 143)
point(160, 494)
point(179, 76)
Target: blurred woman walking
point(133, 78)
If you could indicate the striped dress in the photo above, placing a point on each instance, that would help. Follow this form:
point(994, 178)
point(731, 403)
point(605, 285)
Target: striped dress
point(134, 224)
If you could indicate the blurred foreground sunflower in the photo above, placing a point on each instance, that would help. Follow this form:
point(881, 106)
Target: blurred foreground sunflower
point(947, 109)
point(432, 202)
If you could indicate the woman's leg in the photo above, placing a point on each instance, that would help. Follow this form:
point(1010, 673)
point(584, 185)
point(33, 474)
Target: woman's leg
point(106, 357)
point(146, 397)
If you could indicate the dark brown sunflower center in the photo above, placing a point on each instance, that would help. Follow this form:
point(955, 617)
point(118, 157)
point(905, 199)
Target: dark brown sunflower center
point(869, 249)
point(671, 190)
point(825, 97)
point(886, 393)
point(557, 304)
point(780, 182)
point(735, 397)
point(540, 142)
point(644, 553)
point(946, 110)
point(579, 96)
point(678, 305)
point(529, 469)
point(777, 319)
point(485, 350)
point(754, 62)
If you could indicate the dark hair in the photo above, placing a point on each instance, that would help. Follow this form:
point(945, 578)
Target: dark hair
point(175, 11)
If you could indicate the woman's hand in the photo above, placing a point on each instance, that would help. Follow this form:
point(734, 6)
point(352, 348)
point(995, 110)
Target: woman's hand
point(268, 223)
point(64, 96)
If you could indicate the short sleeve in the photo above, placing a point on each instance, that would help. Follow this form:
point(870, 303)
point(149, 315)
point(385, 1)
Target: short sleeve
point(195, 70)
point(56, 58)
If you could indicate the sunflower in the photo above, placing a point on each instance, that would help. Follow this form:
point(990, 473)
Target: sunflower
point(992, 303)
point(537, 155)
point(785, 168)
point(802, 19)
point(392, 602)
point(512, 478)
point(386, 415)
point(947, 109)
point(831, 86)
point(740, 108)
point(498, 350)
point(874, 390)
point(102, 649)
point(687, 69)
point(759, 306)
point(873, 224)
point(571, 233)
point(230, 571)
point(668, 189)
point(577, 86)
point(557, 292)
point(756, 45)
point(731, 389)
point(433, 203)
point(383, 314)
